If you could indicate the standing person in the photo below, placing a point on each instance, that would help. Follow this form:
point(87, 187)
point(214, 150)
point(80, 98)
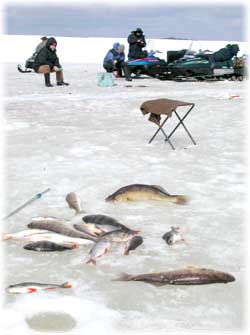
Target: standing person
point(41, 44)
point(136, 42)
point(46, 61)
point(114, 61)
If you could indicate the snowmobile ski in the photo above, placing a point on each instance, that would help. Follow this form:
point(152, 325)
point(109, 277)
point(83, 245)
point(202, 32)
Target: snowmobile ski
point(19, 67)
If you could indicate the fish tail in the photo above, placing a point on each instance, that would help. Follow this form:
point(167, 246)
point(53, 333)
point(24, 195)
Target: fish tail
point(181, 199)
point(91, 260)
point(66, 285)
point(123, 277)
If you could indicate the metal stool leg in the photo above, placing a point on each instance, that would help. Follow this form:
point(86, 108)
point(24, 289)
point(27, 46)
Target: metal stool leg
point(181, 123)
point(166, 136)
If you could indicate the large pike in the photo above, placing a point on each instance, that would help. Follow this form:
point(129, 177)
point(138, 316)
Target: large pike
point(187, 276)
point(30, 287)
point(137, 192)
point(58, 226)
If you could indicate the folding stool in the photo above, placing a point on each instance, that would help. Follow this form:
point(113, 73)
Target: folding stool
point(166, 107)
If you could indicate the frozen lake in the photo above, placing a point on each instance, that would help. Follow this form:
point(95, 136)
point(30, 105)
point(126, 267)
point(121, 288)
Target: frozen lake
point(92, 141)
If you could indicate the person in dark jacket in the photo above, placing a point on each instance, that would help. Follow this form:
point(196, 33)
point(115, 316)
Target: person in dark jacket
point(114, 61)
point(136, 41)
point(46, 61)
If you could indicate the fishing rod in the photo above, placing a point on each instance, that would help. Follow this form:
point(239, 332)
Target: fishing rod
point(37, 196)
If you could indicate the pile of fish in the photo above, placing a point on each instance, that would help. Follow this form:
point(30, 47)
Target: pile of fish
point(50, 234)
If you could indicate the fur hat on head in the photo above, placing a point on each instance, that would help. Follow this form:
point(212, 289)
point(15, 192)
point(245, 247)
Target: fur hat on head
point(121, 48)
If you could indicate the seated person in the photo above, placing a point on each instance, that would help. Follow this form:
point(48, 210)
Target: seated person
point(46, 61)
point(114, 61)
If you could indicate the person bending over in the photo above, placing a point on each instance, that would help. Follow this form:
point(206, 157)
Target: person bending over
point(114, 61)
point(46, 61)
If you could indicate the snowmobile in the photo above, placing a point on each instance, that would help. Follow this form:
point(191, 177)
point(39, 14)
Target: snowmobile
point(149, 65)
point(29, 64)
point(205, 65)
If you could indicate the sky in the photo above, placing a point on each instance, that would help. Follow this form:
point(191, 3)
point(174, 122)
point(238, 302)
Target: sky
point(162, 20)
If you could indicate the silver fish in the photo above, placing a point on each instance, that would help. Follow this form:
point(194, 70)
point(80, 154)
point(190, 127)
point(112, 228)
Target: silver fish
point(60, 227)
point(99, 249)
point(74, 202)
point(173, 236)
point(88, 228)
point(30, 287)
point(23, 234)
point(118, 236)
point(186, 276)
point(137, 192)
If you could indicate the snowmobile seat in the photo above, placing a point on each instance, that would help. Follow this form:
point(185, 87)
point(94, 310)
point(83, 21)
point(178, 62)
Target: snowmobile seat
point(168, 108)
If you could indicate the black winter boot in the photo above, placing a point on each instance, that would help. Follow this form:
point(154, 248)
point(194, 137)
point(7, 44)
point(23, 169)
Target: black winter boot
point(47, 80)
point(127, 73)
point(62, 83)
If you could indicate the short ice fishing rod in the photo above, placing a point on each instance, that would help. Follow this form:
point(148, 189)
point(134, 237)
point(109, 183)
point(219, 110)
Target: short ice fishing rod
point(37, 196)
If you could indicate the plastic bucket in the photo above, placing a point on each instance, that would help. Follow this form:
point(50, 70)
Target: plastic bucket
point(105, 79)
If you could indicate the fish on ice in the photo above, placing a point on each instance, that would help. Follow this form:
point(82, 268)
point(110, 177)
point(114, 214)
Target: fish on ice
point(99, 249)
point(186, 276)
point(138, 192)
point(59, 227)
point(104, 222)
point(173, 236)
point(30, 287)
point(23, 234)
point(74, 202)
point(49, 246)
point(132, 244)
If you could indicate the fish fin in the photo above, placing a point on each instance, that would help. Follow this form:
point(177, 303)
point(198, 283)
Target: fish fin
point(126, 253)
point(123, 277)
point(106, 251)
point(6, 237)
point(161, 189)
point(134, 232)
point(91, 260)
point(74, 246)
point(181, 199)
point(31, 290)
point(190, 266)
point(66, 285)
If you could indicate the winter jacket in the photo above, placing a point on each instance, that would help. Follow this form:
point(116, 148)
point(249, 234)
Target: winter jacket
point(113, 54)
point(46, 56)
point(135, 47)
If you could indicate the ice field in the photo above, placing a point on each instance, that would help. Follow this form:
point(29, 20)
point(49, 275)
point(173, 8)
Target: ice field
point(93, 140)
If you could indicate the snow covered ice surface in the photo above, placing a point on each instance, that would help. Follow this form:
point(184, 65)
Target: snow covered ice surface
point(94, 140)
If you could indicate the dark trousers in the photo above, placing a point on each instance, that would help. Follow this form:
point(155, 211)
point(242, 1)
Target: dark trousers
point(119, 67)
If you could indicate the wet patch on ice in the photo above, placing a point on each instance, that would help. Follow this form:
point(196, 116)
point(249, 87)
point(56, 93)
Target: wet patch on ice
point(51, 321)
